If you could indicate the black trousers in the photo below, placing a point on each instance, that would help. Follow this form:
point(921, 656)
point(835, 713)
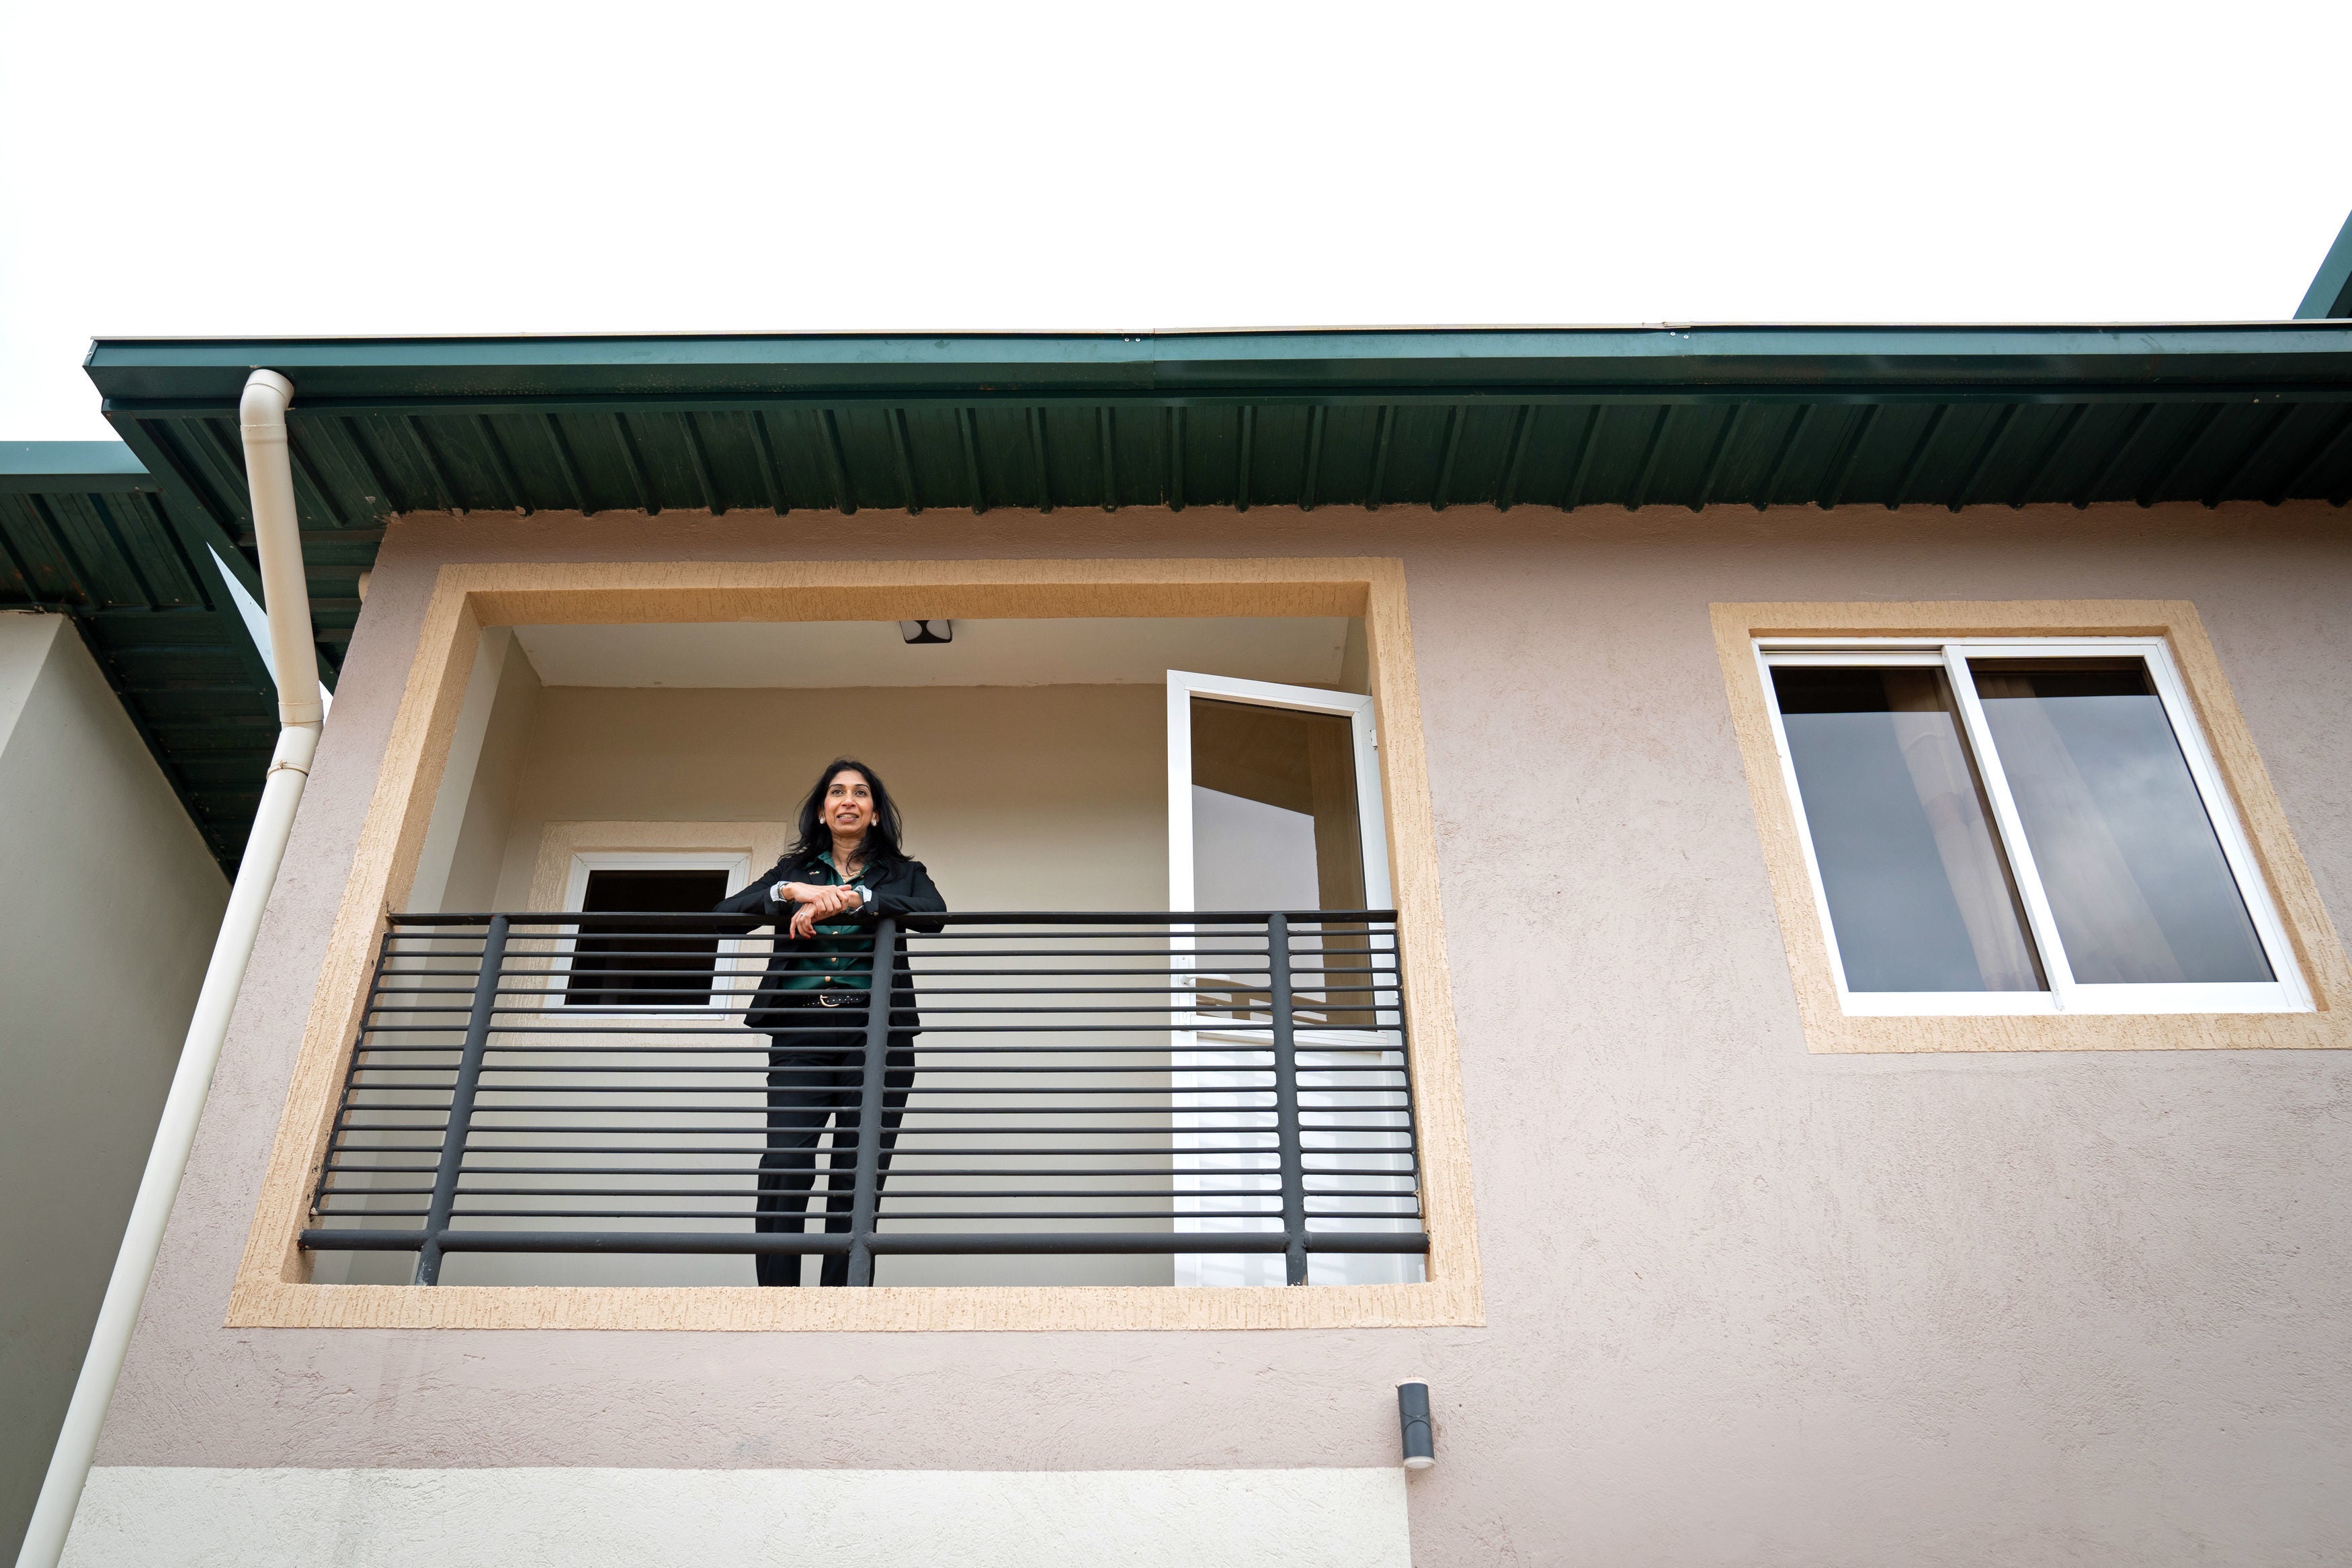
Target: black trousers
point(816, 1075)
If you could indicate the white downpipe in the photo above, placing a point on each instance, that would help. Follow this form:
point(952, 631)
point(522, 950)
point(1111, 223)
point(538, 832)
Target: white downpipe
point(284, 590)
point(295, 662)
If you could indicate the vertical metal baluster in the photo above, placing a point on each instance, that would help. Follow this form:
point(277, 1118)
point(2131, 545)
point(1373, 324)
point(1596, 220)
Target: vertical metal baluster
point(1411, 1150)
point(461, 1102)
point(881, 984)
point(338, 1131)
point(1286, 1100)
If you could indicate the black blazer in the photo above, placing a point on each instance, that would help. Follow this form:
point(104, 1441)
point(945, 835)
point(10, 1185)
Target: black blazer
point(902, 892)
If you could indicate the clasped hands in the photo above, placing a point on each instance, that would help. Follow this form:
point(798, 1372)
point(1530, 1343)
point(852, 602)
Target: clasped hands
point(816, 904)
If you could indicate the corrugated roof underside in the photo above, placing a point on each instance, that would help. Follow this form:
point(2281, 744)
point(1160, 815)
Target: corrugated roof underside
point(356, 468)
point(183, 667)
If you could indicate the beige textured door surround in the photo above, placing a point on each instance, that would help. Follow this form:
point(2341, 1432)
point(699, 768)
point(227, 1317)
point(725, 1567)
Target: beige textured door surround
point(272, 1287)
point(1827, 1027)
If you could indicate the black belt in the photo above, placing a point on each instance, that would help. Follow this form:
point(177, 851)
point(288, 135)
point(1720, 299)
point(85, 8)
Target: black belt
point(832, 995)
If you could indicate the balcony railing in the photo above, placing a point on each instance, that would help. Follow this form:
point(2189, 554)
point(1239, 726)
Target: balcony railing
point(1212, 1087)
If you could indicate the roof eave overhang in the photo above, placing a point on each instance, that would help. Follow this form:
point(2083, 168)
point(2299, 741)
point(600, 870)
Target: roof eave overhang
point(88, 532)
point(1365, 363)
point(1688, 416)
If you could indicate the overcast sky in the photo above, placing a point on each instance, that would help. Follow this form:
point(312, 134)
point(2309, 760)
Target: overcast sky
point(482, 167)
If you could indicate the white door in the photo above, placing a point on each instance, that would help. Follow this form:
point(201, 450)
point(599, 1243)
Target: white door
point(1273, 803)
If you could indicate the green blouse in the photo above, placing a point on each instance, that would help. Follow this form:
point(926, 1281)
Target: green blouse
point(844, 952)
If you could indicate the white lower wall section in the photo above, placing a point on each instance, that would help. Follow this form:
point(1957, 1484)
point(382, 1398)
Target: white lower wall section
point(187, 1518)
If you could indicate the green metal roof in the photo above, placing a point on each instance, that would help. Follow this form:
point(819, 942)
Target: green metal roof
point(85, 532)
point(1565, 418)
point(2330, 293)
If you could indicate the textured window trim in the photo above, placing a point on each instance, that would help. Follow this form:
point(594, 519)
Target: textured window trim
point(1829, 1030)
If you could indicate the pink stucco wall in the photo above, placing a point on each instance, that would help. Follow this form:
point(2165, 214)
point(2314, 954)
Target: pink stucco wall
point(1745, 1304)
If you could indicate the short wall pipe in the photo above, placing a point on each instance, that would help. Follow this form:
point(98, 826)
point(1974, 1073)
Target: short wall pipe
point(294, 659)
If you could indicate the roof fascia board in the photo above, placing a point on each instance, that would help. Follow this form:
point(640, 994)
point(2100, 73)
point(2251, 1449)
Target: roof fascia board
point(78, 467)
point(1614, 394)
point(1313, 366)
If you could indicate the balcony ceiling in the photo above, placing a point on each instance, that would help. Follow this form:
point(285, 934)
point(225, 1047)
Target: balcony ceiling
point(1661, 416)
point(833, 654)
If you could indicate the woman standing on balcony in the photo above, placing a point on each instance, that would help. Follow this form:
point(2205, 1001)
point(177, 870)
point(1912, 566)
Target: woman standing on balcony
point(846, 873)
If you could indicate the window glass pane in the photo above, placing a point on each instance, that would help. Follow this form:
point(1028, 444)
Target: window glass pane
point(1919, 893)
point(2134, 873)
point(641, 971)
point(1273, 809)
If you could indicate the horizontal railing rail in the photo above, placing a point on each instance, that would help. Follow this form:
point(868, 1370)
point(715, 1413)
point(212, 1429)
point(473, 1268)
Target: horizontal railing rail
point(1201, 1085)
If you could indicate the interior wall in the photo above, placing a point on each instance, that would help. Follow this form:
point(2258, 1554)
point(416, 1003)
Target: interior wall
point(478, 851)
point(112, 901)
point(1356, 660)
point(464, 843)
point(1014, 798)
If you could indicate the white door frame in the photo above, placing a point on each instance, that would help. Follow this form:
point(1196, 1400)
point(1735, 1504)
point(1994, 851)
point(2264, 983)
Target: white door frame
point(1371, 821)
point(1203, 1081)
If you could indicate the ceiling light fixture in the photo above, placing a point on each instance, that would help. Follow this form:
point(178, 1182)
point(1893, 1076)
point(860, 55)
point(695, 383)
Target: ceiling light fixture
point(921, 632)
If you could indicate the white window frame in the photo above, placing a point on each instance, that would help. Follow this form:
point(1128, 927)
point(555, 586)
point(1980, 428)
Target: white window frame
point(2287, 993)
point(737, 955)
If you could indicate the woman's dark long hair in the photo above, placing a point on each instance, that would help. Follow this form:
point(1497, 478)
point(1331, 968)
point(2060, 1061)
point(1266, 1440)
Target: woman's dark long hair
point(881, 847)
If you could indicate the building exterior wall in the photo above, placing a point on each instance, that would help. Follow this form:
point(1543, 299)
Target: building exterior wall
point(1743, 1303)
point(108, 901)
point(588, 1518)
